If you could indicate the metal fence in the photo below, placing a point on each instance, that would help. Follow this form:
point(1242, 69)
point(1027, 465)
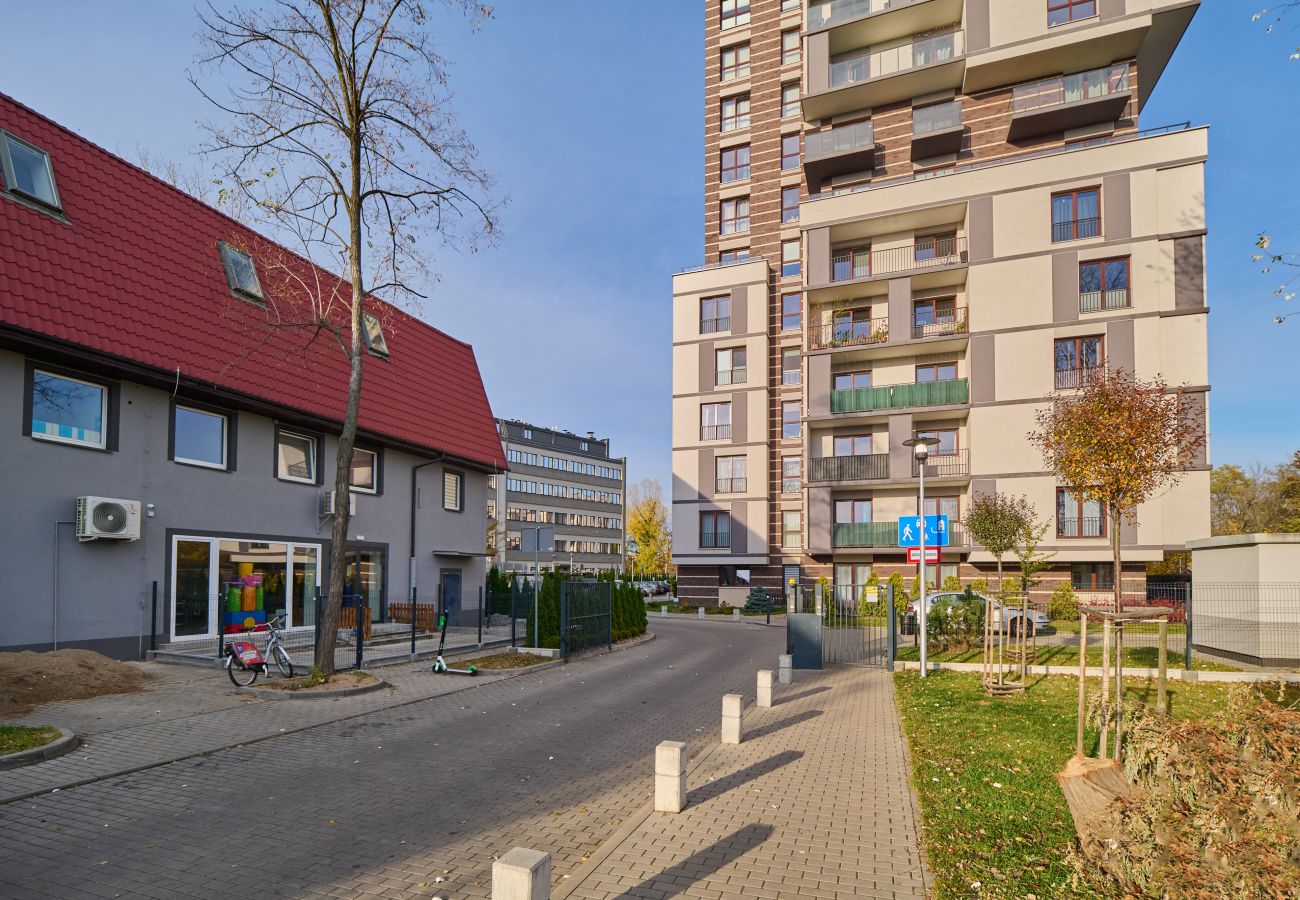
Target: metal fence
point(837, 625)
point(586, 616)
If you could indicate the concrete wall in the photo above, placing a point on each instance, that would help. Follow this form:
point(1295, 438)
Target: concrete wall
point(102, 584)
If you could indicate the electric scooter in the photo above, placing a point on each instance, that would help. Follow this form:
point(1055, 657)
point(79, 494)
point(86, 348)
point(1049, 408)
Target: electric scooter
point(440, 665)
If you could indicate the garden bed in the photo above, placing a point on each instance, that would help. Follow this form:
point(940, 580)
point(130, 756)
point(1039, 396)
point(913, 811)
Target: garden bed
point(17, 738)
point(503, 661)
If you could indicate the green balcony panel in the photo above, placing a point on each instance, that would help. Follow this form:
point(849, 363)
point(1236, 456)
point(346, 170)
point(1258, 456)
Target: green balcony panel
point(865, 534)
point(901, 396)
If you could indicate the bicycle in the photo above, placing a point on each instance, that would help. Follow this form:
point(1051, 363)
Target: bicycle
point(244, 663)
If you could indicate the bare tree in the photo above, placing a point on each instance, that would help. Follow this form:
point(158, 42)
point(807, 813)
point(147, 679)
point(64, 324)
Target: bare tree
point(1290, 263)
point(339, 135)
point(1275, 15)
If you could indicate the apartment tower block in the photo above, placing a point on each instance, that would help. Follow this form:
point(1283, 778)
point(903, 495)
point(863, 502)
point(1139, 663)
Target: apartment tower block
point(925, 219)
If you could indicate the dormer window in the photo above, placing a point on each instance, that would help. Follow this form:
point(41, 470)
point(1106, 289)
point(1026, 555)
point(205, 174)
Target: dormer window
point(241, 274)
point(374, 335)
point(27, 171)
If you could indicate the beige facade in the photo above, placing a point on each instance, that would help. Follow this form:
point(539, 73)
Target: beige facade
point(980, 221)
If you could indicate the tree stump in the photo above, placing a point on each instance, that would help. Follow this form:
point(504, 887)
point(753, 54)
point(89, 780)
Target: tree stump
point(1091, 786)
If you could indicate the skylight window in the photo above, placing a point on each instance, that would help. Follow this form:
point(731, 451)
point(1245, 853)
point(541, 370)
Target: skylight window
point(374, 336)
point(27, 171)
point(241, 274)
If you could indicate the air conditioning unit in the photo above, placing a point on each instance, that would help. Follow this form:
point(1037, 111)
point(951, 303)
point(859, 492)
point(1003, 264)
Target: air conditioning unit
point(328, 508)
point(103, 518)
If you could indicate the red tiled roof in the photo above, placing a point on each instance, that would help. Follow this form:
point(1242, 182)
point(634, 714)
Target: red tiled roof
point(136, 274)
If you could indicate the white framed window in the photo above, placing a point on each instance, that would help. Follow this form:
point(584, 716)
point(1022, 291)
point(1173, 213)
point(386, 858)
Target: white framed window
point(200, 438)
point(364, 471)
point(295, 457)
point(374, 335)
point(68, 410)
point(27, 171)
point(452, 498)
point(241, 272)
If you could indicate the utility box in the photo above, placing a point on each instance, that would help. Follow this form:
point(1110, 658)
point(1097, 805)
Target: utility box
point(1246, 598)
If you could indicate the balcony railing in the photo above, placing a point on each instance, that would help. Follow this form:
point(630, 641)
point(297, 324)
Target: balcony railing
point(1070, 88)
point(952, 464)
point(715, 540)
point(729, 376)
point(821, 15)
point(1094, 301)
point(720, 265)
point(1068, 379)
point(900, 396)
point(953, 322)
point(847, 265)
point(715, 432)
point(1081, 528)
point(859, 332)
point(849, 468)
point(729, 485)
point(715, 326)
point(936, 118)
point(858, 136)
point(883, 534)
point(1076, 229)
point(877, 63)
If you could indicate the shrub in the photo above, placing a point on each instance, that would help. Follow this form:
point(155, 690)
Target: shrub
point(1064, 604)
point(900, 594)
point(952, 583)
point(758, 601)
point(980, 586)
point(955, 626)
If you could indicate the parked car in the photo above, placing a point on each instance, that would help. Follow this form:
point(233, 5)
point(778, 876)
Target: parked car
point(1010, 622)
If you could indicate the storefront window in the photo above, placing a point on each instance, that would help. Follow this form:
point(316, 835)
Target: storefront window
point(192, 594)
point(305, 579)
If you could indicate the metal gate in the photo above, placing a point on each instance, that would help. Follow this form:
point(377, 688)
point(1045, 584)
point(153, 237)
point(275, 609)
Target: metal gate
point(851, 626)
point(586, 619)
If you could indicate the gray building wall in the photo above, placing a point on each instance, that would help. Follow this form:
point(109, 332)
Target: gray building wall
point(104, 587)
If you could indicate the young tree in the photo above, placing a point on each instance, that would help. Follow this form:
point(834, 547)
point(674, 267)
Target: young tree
point(647, 524)
point(995, 521)
point(1028, 539)
point(1118, 442)
point(339, 134)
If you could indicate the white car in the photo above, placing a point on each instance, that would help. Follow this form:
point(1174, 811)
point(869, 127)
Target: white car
point(1010, 621)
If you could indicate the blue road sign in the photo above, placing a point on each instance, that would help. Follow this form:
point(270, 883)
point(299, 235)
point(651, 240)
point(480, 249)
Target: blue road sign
point(936, 531)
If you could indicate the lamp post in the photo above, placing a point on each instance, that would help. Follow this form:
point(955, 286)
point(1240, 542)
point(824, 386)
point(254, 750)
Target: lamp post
point(921, 452)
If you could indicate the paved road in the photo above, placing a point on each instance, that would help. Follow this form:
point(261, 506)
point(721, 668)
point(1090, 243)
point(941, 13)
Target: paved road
point(386, 803)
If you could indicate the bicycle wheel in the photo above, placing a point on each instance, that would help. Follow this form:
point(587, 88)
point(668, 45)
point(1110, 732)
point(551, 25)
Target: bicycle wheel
point(242, 676)
point(282, 662)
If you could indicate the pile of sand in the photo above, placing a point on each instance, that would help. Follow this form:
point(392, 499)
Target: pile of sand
point(28, 678)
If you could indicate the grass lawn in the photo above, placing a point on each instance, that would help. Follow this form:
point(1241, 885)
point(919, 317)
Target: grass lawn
point(16, 738)
point(1071, 626)
point(503, 661)
point(1060, 655)
point(984, 769)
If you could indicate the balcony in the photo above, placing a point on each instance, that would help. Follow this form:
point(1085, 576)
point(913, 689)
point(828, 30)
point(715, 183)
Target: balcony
point(944, 324)
point(1069, 379)
point(857, 23)
point(882, 535)
point(848, 265)
point(1096, 301)
point(953, 464)
point(937, 130)
point(1070, 101)
point(867, 467)
point(729, 376)
point(715, 432)
point(729, 485)
point(846, 148)
point(858, 333)
point(901, 396)
point(875, 77)
point(1076, 229)
point(1080, 528)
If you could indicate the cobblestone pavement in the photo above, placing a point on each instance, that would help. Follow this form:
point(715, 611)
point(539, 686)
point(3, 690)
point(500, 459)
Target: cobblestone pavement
point(815, 803)
point(388, 801)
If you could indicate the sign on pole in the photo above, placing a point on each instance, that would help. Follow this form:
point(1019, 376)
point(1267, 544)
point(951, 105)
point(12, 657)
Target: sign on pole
point(936, 531)
point(537, 540)
point(914, 554)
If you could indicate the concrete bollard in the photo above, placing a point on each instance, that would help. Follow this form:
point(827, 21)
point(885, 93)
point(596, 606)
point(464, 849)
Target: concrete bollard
point(701, 612)
point(764, 689)
point(735, 615)
point(785, 668)
point(663, 609)
point(733, 725)
point(522, 875)
point(670, 777)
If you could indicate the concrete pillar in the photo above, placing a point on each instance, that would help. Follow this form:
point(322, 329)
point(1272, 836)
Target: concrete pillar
point(764, 688)
point(735, 615)
point(732, 719)
point(522, 875)
point(670, 777)
point(785, 667)
point(701, 612)
point(663, 609)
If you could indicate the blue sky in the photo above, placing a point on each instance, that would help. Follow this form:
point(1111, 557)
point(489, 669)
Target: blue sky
point(592, 124)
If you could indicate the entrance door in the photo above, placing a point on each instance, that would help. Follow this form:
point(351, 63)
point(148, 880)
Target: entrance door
point(365, 578)
point(451, 594)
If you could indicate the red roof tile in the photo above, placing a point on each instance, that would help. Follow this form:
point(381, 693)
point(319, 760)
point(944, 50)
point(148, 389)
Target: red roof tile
point(136, 274)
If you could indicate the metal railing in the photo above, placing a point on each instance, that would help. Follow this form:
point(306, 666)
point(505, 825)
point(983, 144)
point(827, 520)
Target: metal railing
point(879, 63)
point(715, 432)
point(730, 376)
point(859, 332)
point(944, 465)
point(715, 326)
point(948, 251)
point(1069, 88)
point(849, 468)
point(883, 534)
point(1094, 301)
point(1076, 229)
point(715, 540)
point(936, 118)
point(821, 15)
point(791, 485)
point(945, 323)
point(1068, 379)
point(857, 136)
point(729, 485)
point(899, 396)
point(704, 267)
point(1081, 528)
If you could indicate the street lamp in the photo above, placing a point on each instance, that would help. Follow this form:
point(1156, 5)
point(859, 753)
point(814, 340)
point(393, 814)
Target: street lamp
point(921, 452)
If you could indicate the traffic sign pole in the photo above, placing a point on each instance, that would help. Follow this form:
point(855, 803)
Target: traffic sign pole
point(922, 607)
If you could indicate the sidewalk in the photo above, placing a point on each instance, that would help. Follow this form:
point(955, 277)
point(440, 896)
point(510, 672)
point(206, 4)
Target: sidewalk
point(815, 803)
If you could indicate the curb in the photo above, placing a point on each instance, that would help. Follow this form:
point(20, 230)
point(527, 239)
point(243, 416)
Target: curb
point(724, 620)
point(66, 742)
point(285, 694)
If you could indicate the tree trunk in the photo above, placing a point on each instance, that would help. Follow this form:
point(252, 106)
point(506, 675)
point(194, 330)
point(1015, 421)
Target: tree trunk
point(1115, 517)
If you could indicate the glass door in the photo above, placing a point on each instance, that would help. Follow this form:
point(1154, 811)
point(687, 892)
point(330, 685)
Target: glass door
point(365, 578)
